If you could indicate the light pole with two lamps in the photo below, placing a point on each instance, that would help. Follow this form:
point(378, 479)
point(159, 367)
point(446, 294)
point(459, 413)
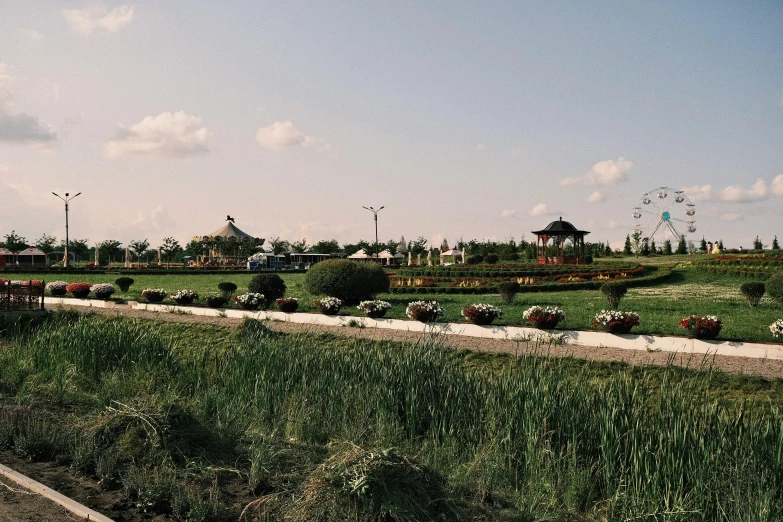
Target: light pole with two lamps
point(375, 213)
point(66, 199)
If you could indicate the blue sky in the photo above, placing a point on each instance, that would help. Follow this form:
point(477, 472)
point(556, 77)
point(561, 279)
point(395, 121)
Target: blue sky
point(464, 119)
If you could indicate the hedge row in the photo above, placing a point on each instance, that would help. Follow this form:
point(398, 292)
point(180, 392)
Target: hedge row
point(657, 276)
point(526, 272)
point(141, 271)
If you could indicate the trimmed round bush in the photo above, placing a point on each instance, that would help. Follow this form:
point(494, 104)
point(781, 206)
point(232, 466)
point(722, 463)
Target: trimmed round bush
point(491, 259)
point(475, 260)
point(508, 291)
point(753, 292)
point(227, 289)
point(271, 286)
point(774, 287)
point(350, 281)
point(588, 260)
point(124, 283)
point(614, 292)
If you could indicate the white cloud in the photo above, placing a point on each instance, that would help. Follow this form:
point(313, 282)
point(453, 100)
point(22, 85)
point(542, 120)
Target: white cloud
point(539, 210)
point(612, 225)
point(282, 135)
point(167, 135)
point(777, 185)
point(595, 197)
point(698, 193)
point(605, 172)
point(153, 220)
point(481, 147)
point(737, 193)
point(23, 128)
point(35, 36)
point(6, 86)
point(730, 216)
point(508, 213)
point(85, 21)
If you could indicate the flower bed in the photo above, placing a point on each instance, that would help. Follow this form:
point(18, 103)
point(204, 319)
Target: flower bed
point(707, 327)
point(546, 318)
point(154, 295)
point(424, 311)
point(79, 290)
point(184, 297)
point(250, 300)
point(481, 313)
point(328, 305)
point(777, 328)
point(103, 290)
point(616, 321)
point(376, 308)
point(57, 288)
point(288, 305)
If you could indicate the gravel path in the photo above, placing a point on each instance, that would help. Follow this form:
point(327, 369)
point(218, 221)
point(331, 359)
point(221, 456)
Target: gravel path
point(767, 368)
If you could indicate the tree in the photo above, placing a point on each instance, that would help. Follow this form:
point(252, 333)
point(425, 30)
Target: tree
point(139, 247)
point(78, 247)
point(46, 243)
point(419, 246)
point(703, 245)
point(682, 248)
point(607, 249)
point(402, 246)
point(667, 248)
point(652, 246)
point(278, 245)
point(645, 247)
point(775, 245)
point(757, 244)
point(15, 243)
point(627, 250)
point(444, 245)
point(325, 247)
point(299, 246)
point(636, 243)
point(168, 247)
point(110, 249)
point(720, 244)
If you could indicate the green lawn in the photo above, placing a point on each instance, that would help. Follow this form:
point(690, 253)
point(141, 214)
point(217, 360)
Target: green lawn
point(661, 307)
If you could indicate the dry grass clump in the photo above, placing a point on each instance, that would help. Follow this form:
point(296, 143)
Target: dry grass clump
point(367, 485)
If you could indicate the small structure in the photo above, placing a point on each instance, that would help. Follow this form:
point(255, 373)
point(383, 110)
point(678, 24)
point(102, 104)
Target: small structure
point(560, 243)
point(360, 255)
point(452, 256)
point(21, 295)
point(226, 244)
point(387, 258)
point(262, 260)
point(304, 260)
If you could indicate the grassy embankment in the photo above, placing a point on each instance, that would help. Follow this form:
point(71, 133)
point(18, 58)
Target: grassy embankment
point(178, 415)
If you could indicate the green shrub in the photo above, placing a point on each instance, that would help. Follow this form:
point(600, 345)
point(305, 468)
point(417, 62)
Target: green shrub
point(348, 280)
point(227, 289)
point(124, 283)
point(775, 286)
point(509, 256)
point(508, 291)
point(614, 292)
point(475, 260)
point(588, 260)
point(271, 286)
point(491, 259)
point(752, 292)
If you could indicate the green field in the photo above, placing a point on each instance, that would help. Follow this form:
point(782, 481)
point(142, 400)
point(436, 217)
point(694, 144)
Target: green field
point(195, 422)
point(661, 307)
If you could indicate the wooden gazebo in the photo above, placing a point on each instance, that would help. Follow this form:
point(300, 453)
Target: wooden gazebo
point(551, 246)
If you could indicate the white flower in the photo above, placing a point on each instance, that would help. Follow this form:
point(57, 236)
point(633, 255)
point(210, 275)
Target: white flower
point(605, 317)
point(104, 289)
point(250, 298)
point(538, 313)
point(373, 306)
point(484, 309)
point(419, 307)
point(777, 328)
point(184, 294)
point(56, 285)
point(328, 303)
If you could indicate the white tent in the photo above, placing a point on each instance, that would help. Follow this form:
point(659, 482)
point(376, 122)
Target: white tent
point(451, 256)
point(359, 254)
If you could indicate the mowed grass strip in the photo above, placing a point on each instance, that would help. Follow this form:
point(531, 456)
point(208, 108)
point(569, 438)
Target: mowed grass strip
point(661, 307)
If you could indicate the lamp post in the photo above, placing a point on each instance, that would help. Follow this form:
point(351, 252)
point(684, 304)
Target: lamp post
point(375, 213)
point(67, 243)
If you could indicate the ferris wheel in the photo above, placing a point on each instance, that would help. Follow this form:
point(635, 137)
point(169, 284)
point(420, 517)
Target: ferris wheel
point(664, 213)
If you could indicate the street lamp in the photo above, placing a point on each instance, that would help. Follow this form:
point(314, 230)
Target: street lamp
point(67, 243)
point(375, 213)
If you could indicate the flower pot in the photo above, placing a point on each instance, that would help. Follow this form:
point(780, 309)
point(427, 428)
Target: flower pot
point(249, 306)
point(375, 314)
point(616, 328)
point(703, 334)
point(216, 302)
point(104, 297)
point(155, 298)
point(184, 301)
point(546, 324)
point(58, 292)
point(425, 317)
point(81, 295)
point(482, 320)
point(288, 307)
point(328, 311)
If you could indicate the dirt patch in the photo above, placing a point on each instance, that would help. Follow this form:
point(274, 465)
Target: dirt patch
point(766, 368)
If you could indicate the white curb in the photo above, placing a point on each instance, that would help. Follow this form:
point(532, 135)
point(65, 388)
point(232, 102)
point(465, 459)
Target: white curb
point(47, 492)
point(644, 342)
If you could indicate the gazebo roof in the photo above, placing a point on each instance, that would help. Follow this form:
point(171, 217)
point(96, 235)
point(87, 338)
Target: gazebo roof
point(359, 254)
point(451, 252)
point(560, 228)
point(230, 230)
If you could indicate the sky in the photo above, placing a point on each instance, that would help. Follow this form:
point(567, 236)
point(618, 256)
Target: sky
point(465, 120)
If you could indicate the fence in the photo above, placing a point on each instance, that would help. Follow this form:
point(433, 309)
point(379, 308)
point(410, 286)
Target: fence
point(27, 295)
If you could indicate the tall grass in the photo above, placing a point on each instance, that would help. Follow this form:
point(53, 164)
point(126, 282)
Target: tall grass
point(534, 435)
